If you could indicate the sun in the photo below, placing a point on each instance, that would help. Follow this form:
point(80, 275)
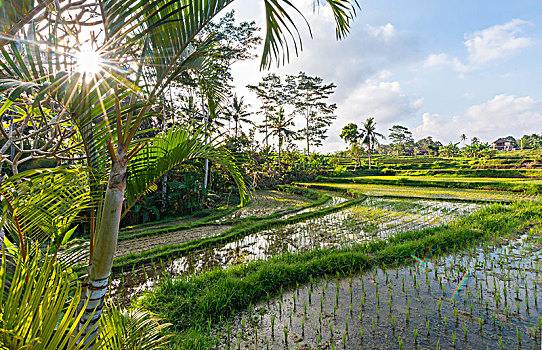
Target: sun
point(88, 61)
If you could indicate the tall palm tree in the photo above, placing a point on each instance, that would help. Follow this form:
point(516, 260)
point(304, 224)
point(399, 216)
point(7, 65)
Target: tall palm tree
point(280, 125)
point(238, 112)
point(369, 136)
point(463, 138)
point(144, 46)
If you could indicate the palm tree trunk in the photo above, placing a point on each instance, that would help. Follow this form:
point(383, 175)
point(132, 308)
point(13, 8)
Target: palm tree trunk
point(206, 175)
point(266, 134)
point(104, 250)
point(308, 143)
point(164, 180)
point(236, 129)
point(280, 164)
point(369, 153)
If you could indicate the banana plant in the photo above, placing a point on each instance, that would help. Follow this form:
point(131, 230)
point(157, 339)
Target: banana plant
point(145, 45)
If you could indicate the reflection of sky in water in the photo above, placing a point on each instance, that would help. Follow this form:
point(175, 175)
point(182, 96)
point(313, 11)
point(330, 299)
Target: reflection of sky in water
point(372, 220)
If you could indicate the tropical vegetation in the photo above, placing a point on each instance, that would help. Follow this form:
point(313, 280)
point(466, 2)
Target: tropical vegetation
point(146, 205)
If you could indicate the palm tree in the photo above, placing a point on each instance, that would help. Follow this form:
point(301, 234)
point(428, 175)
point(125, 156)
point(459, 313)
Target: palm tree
point(369, 136)
point(144, 47)
point(238, 112)
point(463, 138)
point(280, 128)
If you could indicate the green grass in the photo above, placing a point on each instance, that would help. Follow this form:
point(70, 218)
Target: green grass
point(526, 163)
point(192, 304)
point(529, 185)
point(441, 171)
point(424, 192)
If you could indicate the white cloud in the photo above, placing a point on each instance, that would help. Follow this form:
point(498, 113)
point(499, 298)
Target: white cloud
point(367, 50)
point(501, 116)
point(497, 42)
point(442, 59)
point(385, 100)
point(382, 99)
point(386, 32)
point(493, 44)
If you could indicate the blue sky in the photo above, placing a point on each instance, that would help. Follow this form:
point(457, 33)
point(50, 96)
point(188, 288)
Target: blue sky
point(442, 68)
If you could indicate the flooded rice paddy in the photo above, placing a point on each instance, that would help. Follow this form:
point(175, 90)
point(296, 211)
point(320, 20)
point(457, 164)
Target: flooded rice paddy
point(497, 305)
point(266, 203)
point(372, 219)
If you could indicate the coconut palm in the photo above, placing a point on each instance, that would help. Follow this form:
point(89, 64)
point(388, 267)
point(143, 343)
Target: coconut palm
point(369, 136)
point(280, 127)
point(144, 46)
point(463, 138)
point(238, 112)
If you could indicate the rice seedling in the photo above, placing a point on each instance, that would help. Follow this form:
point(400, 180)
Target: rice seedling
point(273, 326)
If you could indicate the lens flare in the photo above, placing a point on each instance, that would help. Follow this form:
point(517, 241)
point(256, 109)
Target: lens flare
point(88, 61)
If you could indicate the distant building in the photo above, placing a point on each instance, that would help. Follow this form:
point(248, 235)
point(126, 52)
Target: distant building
point(503, 145)
point(424, 152)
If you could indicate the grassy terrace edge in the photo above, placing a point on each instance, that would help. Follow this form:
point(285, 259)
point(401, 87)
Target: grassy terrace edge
point(485, 185)
point(243, 229)
point(318, 198)
point(193, 304)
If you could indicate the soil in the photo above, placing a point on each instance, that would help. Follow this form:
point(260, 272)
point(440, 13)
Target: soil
point(140, 244)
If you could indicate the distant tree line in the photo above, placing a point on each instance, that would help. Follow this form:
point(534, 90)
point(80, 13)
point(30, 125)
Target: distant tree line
point(402, 143)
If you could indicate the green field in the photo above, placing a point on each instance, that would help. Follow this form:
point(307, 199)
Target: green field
point(426, 192)
point(515, 184)
point(445, 178)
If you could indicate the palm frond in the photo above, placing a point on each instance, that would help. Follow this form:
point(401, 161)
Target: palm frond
point(44, 203)
point(169, 149)
point(38, 305)
point(133, 329)
point(282, 28)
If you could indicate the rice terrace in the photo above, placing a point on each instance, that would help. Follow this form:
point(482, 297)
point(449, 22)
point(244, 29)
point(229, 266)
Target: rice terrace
point(271, 174)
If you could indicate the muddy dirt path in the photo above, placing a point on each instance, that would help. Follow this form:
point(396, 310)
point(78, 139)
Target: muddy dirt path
point(264, 203)
point(138, 245)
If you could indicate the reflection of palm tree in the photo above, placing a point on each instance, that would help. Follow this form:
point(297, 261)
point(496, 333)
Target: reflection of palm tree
point(369, 136)
point(279, 127)
point(238, 112)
